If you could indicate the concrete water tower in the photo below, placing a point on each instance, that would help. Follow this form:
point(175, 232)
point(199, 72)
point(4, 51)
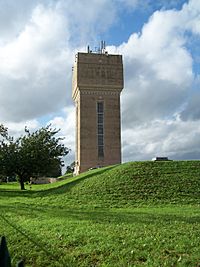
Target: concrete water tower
point(97, 84)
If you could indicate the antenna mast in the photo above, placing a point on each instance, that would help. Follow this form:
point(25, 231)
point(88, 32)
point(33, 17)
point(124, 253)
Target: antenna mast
point(101, 49)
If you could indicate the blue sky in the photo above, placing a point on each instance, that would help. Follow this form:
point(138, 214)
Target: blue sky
point(132, 19)
point(159, 41)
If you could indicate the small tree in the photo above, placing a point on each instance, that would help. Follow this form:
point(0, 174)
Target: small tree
point(31, 155)
point(70, 168)
point(3, 130)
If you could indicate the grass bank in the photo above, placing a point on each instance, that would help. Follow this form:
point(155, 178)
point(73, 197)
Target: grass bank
point(135, 214)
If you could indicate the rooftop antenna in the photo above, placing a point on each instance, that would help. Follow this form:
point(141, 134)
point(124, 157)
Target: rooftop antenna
point(88, 49)
point(103, 47)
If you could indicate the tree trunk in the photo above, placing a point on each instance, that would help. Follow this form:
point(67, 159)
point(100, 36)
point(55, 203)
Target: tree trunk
point(21, 181)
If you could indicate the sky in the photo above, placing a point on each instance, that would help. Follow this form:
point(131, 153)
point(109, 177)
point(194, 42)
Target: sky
point(159, 41)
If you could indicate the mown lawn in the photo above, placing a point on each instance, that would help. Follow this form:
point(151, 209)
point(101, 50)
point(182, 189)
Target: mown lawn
point(85, 222)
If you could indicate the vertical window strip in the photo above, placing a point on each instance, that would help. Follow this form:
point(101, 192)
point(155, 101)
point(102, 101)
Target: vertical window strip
point(100, 129)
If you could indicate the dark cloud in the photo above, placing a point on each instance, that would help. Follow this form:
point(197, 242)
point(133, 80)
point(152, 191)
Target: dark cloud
point(13, 17)
point(192, 109)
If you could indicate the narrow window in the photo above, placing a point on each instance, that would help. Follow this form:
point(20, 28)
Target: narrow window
point(100, 129)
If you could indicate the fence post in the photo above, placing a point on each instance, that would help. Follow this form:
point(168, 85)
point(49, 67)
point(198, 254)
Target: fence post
point(5, 260)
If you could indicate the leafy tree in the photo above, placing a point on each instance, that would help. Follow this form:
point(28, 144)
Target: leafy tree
point(70, 168)
point(3, 130)
point(31, 155)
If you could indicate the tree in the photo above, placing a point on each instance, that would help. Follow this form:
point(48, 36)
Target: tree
point(3, 130)
point(70, 168)
point(31, 155)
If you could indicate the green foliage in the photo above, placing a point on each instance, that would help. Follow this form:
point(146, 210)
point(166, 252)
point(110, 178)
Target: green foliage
point(70, 168)
point(32, 155)
point(3, 130)
point(135, 214)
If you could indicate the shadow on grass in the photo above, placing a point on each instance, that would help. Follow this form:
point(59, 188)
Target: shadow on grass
point(12, 216)
point(98, 216)
point(13, 193)
point(27, 235)
point(124, 217)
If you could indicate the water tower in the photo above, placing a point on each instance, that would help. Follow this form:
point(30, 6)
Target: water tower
point(97, 84)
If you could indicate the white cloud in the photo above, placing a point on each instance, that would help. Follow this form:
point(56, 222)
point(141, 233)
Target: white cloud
point(192, 107)
point(17, 128)
point(13, 16)
point(173, 138)
point(158, 69)
point(35, 68)
point(36, 55)
point(191, 16)
point(66, 124)
point(158, 79)
point(88, 19)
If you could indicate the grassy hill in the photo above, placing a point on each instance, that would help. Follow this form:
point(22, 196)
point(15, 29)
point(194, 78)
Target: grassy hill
point(134, 183)
point(134, 214)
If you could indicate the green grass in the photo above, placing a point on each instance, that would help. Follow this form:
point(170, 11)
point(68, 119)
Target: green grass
point(135, 214)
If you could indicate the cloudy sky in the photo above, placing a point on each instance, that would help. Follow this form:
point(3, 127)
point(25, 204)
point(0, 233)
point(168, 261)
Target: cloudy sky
point(159, 41)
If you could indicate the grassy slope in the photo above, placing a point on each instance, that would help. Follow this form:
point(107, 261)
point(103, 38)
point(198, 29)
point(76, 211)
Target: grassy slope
point(135, 214)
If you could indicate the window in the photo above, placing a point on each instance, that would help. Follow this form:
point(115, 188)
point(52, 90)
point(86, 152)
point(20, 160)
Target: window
point(100, 140)
point(100, 118)
point(100, 129)
point(100, 107)
point(100, 152)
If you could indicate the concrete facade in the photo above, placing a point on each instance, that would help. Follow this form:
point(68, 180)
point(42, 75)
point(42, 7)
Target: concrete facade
point(97, 84)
